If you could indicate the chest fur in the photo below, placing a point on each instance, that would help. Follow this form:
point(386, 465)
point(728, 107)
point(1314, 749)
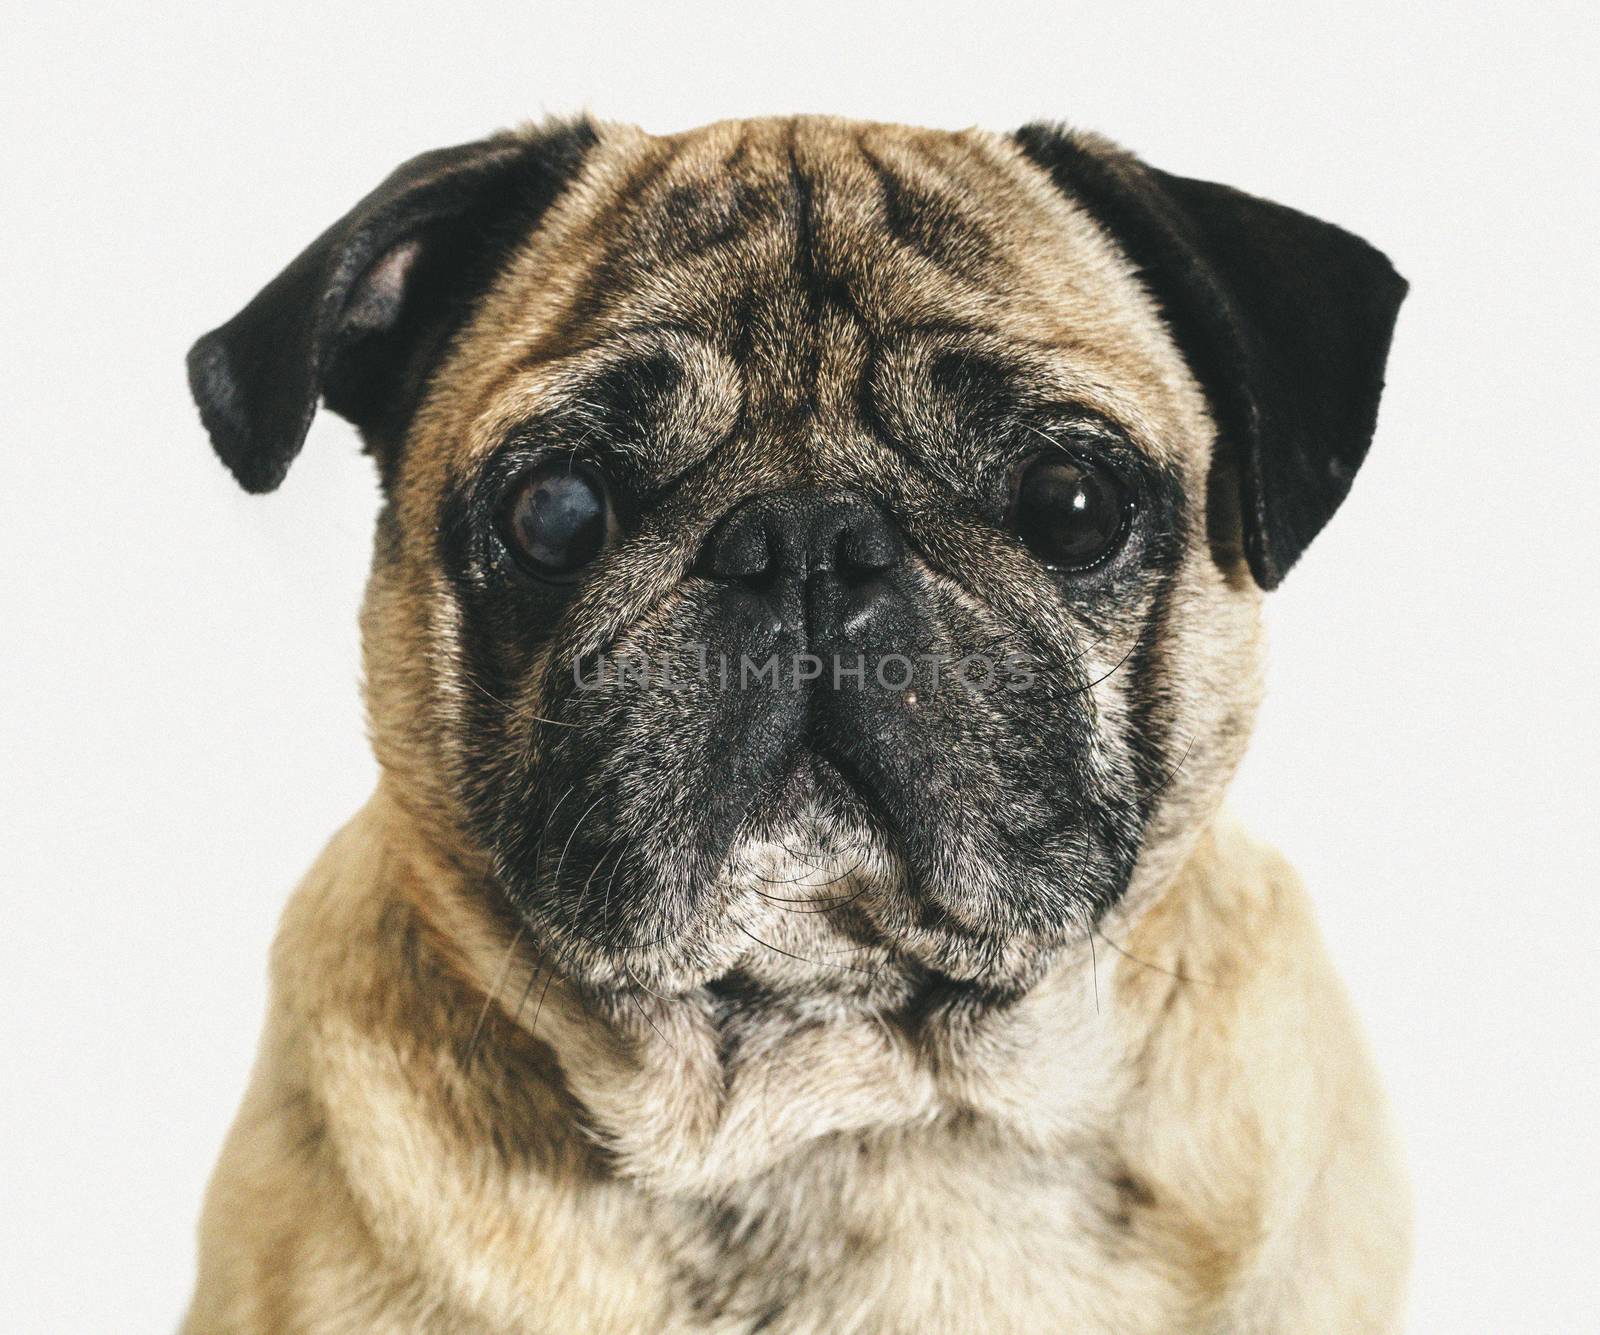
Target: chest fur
point(945, 1228)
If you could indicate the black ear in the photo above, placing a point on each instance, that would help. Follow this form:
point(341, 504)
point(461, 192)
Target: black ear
point(360, 314)
point(1284, 320)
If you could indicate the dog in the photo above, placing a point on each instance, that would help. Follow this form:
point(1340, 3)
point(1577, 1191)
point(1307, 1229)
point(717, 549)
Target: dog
point(813, 620)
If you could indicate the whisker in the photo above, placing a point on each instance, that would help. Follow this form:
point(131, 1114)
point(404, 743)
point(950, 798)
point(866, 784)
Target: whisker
point(551, 722)
point(645, 1016)
point(576, 912)
point(1147, 964)
point(1106, 676)
point(527, 991)
point(780, 880)
point(1173, 772)
point(611, 881)
point(471, 678)
point(489, 996)
point(549, 978)
point(1094, 970)
point(812, 858)
point(576, 826)
point(551, 814)
point(819, 964)
point(822, 885)
point(634, 979)
point(822, 904)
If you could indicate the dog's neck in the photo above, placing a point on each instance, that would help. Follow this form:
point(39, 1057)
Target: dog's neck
point(695, 1093)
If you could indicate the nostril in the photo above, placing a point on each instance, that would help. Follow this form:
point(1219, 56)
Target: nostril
point(794, 535)
point(869, 546)
point(738, 550)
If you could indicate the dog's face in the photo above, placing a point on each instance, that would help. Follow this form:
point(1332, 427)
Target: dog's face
point(808, 555)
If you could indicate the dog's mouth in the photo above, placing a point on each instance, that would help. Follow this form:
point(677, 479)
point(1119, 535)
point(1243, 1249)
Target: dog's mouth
point(840, 845)
point(815, 787)
point(957, 829)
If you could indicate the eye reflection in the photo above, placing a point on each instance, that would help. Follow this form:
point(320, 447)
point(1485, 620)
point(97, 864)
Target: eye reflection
point(1071, 515)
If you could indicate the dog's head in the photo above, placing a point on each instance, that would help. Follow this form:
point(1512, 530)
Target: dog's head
point(809, 546)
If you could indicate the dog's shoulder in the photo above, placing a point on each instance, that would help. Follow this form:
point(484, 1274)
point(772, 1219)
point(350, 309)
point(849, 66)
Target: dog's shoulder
point(1261, 1117)
point(387, 1171)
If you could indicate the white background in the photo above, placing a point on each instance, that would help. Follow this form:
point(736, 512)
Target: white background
point(181, 723)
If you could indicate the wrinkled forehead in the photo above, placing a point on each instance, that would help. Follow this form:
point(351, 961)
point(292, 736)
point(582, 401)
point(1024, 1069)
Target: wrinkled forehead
point(796, 276)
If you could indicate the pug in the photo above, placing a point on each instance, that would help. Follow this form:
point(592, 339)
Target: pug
point(814, 617)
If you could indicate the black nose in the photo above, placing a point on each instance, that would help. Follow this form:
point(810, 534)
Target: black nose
point(824, 561)
point(792, 535)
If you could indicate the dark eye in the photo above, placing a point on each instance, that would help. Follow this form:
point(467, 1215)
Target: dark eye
point(558, 517)
point(1073, 516)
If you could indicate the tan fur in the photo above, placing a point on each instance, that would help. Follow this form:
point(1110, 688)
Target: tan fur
point(378, 1180)
point(1177, 1129)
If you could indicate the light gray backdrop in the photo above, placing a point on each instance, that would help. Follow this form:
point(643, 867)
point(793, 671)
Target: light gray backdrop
point(181, 725)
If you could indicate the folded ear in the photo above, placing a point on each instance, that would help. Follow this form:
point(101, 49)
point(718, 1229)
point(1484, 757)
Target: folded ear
point(1284, 320)
point(359, 315)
